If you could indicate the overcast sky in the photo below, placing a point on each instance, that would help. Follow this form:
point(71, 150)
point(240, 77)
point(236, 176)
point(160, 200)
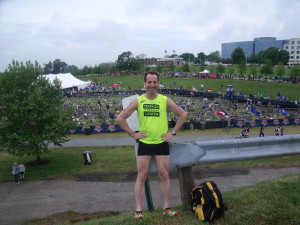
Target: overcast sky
point(90, 32)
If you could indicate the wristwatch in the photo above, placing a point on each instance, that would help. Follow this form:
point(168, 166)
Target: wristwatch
point(173, 132)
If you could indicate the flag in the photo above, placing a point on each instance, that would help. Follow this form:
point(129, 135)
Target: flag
point(220, 113)
point(284, 112)
point(111, 115)
point(166, 51)
point(282, 97)
point(253, 110)
point(174, 51)
point(260, 95)
point(241, 94)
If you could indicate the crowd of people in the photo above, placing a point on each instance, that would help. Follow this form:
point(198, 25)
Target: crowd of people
point(103, 109)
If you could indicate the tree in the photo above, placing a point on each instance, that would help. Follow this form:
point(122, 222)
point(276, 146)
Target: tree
point(87, 70)
point(253, 70)
point(172, 67)
point(242, 68)
point(253, 59)
point(32, 112)
point(201, 58)
point(158, 69)
point(220, 69)
point(295, 71)
point(275, 55)
point(186, 68)
point(188, 57)
point(230, 70)
point(284, 56)
point(266, 68)
point(271, 54)
point(72, 69)
point(55, 67)
point(238, 56)
point(280, 70)
point(227, 61)
point(126, 61)
point(214, 57)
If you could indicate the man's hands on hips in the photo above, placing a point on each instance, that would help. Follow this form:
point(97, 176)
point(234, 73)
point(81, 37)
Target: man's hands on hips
point(167, 137)
point(139, 135)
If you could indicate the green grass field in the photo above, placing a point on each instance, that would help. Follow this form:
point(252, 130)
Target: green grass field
point(270, 89)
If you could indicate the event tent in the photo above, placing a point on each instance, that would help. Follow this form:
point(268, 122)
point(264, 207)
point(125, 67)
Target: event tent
point(205, 71)
point(68, 80)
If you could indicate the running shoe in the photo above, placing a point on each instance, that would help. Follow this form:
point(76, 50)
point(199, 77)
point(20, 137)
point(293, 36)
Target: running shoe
point(169, 212)
point(138, 214)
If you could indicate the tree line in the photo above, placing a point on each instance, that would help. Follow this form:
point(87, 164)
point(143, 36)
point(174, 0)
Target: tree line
point(128, 62)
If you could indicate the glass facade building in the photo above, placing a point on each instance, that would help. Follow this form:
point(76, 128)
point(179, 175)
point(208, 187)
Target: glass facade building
point(263, 43)
point(228, 48)
point(252, 47)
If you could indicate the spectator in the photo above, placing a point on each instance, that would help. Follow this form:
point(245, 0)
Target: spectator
point(15, 172)
point(277, 131)
point(261, 133)
point(22, 171)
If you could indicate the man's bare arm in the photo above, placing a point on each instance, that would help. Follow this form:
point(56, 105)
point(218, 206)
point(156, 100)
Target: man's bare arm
point(179, 112)
point(121, 120)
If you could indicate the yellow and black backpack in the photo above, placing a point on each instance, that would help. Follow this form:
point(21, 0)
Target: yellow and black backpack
point(207, 201)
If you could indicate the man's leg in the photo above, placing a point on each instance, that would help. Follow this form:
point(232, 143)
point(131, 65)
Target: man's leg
point(143, 168)
point(162, 162)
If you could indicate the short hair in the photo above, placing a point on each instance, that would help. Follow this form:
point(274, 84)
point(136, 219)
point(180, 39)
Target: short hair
point(151, 73)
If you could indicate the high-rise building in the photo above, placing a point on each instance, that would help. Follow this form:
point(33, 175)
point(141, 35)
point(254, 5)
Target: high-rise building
point(228, 48)
point(262, 43)
point(293, 47)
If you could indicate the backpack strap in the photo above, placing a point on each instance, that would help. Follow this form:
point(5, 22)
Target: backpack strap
point(211, 188)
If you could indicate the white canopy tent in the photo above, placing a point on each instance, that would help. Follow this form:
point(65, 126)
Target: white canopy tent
point(205, 71)
point(68, 80)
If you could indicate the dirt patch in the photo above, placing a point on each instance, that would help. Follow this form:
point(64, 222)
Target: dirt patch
point(131, 176)
point(39, 162)
point(70, 217)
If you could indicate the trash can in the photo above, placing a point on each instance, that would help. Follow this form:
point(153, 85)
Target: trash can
point(86, 130)
point(87, 156)
point(202, 125)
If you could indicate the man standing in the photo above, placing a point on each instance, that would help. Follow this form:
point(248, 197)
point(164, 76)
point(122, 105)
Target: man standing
point(153, 137)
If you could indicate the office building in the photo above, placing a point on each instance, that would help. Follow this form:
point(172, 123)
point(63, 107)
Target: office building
point(263, 43)
point(293, 47)
point(177, 61)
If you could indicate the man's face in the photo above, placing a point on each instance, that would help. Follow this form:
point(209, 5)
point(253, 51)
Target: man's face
point(151, 84)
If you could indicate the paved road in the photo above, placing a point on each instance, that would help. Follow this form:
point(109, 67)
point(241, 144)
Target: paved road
point(41, 198)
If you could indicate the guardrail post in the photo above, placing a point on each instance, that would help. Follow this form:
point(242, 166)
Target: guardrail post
point(186, 184)
point(148, 195)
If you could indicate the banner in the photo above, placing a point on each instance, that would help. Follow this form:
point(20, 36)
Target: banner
point(217, 124)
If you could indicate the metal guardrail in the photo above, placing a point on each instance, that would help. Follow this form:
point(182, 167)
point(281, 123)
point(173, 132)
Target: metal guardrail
point(189, 154)
point(204, 152)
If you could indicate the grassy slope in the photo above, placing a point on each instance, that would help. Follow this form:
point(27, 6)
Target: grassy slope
point(289, 90)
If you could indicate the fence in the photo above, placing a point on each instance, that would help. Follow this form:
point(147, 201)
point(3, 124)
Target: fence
point(197, 125)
